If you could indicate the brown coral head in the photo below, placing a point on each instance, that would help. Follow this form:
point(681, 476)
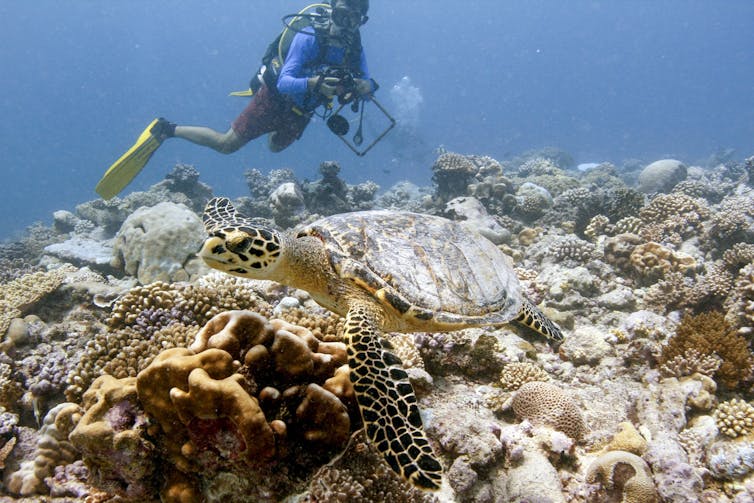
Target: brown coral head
point(233, 331)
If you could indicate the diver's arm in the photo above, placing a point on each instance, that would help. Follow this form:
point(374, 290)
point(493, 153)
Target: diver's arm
point(365, 84)
point(291, 80)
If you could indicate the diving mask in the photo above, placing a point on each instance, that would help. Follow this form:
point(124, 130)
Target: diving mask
point(344, 17)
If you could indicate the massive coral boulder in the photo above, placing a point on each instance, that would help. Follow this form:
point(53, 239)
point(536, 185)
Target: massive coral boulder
point(159, 243)
point(661, 176)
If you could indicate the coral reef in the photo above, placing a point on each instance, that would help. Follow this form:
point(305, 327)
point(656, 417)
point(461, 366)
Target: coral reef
point(652, 280)
point(53, 449)
point(516, 374)
point(248, 391)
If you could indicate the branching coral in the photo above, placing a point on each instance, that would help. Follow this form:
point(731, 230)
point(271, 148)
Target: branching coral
point(735, 418)
point(670, 215)
point(516, 374)
point(572, 247)
point(709, 334)
point(691, 362)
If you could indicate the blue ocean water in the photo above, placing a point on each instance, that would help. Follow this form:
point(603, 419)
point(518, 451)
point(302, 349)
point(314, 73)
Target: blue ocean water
point(603, 80)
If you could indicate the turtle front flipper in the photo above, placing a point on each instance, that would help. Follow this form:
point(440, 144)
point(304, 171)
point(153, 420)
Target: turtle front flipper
point(387, 402)
point(532, 318)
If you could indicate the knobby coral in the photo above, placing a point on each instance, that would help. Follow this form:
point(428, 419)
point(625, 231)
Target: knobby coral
point(735, 418)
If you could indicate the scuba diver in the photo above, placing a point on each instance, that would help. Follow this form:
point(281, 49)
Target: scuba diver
point(325, 60)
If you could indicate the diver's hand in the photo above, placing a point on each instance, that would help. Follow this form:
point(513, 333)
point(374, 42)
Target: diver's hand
point(363, 86)
point(326, 86)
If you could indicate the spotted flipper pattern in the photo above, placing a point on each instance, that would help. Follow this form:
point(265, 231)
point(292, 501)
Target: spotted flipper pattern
point(531, 317)
point(388, 404)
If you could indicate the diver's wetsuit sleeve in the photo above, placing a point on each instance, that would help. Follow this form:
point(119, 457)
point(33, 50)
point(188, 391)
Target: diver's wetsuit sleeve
point(363, 67)
point(293, 79)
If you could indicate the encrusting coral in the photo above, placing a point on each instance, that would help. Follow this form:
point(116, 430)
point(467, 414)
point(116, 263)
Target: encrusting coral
point(735, 418)
point(709, 334)
point(625, 475)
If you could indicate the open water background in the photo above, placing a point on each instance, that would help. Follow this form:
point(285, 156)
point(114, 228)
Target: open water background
point(603, 80)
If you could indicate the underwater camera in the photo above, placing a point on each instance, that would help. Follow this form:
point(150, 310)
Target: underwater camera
point(347, 95)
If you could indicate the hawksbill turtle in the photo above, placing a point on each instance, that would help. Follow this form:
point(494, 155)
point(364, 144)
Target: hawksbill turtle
point(384, 271)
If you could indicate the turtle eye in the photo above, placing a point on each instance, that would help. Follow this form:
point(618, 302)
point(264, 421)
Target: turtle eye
point(239, 245)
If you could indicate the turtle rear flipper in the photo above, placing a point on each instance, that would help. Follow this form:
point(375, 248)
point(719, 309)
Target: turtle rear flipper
point(388, 404)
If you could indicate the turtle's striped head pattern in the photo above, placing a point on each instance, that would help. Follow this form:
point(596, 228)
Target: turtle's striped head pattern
point(236, 244)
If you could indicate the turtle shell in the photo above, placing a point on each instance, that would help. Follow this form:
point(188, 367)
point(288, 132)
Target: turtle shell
point(424, 266)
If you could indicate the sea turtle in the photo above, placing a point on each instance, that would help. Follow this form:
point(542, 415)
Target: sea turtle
point(384, 271)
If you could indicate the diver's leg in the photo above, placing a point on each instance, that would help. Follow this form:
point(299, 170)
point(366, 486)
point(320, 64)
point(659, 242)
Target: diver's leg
point(225, 143)
point(291, 126)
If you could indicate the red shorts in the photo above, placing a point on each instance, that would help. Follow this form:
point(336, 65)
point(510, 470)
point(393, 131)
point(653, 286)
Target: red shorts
point(268, 112)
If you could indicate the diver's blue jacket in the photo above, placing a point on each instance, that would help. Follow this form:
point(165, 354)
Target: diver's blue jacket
point(303, 61)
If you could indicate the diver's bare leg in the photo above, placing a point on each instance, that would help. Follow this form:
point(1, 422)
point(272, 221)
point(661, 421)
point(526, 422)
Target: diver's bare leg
point(225, 143)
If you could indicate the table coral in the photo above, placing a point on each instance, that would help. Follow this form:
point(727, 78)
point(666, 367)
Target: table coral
point(623, 473)
point(21, 294)
point(546, 404)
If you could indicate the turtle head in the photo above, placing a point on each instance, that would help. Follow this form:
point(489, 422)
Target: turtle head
point(239, 245)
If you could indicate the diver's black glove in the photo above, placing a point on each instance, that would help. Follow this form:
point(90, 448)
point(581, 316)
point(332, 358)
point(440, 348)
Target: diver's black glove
point(326, 86)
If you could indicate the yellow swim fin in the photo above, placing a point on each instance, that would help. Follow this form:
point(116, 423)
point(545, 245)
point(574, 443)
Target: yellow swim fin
point(245, 93)
point(125, 169)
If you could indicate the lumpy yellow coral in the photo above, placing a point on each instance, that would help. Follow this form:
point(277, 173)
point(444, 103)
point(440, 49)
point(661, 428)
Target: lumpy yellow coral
point(735, 418)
